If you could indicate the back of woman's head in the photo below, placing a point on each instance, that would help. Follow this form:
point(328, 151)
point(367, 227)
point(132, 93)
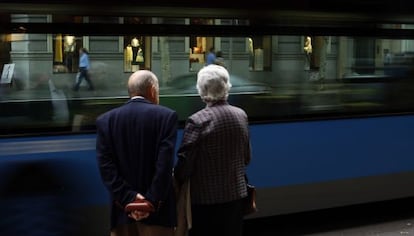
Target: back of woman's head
point(213, 83)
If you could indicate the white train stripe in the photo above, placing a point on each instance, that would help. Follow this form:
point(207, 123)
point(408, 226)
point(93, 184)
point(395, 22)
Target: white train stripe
point(46, 146)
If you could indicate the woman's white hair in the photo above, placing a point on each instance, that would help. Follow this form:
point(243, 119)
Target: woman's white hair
point(213, 83)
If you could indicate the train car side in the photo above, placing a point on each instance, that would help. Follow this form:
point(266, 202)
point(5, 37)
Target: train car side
point(296, 167)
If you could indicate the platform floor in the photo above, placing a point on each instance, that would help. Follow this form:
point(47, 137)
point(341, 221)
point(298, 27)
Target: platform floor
point(46, 216)
point(376, 219)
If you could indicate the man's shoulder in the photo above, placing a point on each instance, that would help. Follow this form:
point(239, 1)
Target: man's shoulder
point(165, 109)
point(109, 113)
point(155, 109)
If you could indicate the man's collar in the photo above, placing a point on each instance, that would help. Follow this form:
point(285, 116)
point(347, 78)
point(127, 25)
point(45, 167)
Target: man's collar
point(136, 97)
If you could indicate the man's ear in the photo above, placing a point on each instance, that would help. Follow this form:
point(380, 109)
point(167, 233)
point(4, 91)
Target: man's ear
point(152, 94)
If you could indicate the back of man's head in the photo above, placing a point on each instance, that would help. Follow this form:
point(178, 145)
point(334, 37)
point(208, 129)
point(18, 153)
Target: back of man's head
point(144, 83)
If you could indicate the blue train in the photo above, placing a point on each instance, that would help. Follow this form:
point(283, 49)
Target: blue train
point(329, 128)
point(296, 167)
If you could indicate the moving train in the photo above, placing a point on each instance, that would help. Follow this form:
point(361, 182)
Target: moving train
point(331, 126)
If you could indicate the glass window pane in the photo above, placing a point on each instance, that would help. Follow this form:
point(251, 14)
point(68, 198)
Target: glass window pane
point(66, 46)
point(274, 77)
point(134, 53)
point(66, 53)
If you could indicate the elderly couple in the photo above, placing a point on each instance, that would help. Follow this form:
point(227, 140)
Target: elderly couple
point(136, 149)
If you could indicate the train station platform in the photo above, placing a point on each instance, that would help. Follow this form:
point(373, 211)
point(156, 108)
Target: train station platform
point(386, 218)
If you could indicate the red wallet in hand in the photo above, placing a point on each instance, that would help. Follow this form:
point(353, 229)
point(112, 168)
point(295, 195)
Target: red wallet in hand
point(139, 205)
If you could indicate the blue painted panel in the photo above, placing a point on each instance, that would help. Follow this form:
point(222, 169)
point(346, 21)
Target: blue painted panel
point(283, 154)
point(319, 151)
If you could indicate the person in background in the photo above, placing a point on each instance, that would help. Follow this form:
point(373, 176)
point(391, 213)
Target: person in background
point(220, 59)
point(308, 52)
point(83, 73)
point(69, 46)
point(135, 151)
point(211, 57)
point(213, 155)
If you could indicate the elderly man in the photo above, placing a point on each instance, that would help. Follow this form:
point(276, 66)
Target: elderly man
point(135, 150)
point(213, 154)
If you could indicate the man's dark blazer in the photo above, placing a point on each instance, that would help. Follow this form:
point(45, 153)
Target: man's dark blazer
point(135, 152)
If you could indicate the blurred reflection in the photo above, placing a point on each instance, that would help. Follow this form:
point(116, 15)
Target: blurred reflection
point(338, 76)
point(60, 105)
point(39, 104)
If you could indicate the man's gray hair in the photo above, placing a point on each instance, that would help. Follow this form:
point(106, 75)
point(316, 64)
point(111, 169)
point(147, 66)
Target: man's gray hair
point(140, 81)
point(213, 83)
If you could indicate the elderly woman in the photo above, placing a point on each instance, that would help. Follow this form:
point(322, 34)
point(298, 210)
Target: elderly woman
point(214, 152)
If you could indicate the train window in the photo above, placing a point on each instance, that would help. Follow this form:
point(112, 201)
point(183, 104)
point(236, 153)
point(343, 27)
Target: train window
point(136, 48)
point(200, 46)
point(103, 19)
point(274, 73)
point(65, 53)
point(316, 50)
point(260, 53)
point(66, 46)
point(134, 53)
